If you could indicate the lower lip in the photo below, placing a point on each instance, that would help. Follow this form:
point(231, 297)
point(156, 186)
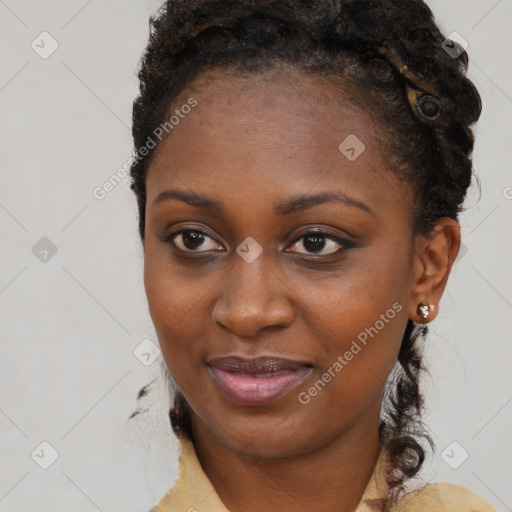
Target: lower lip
point(247, 389)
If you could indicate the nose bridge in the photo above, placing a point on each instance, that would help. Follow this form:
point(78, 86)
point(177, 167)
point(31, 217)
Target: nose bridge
point(250, 279)
point(252, 297)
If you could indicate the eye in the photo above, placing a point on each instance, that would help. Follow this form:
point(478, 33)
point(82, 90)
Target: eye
point(189, 240)
point(317, 241)
point(314, 242)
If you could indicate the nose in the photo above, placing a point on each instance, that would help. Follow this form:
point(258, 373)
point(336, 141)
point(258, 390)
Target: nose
point(254, 297)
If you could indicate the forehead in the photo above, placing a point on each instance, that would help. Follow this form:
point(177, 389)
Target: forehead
point(276, 133)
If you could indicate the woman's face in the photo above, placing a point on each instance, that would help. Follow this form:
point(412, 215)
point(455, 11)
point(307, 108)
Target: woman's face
point(271, 266)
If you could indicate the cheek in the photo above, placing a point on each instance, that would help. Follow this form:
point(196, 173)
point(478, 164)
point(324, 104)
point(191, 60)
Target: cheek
point(360, 351)
point(359, 317)
point(356, 364)
point(365, 300)
point(174, 303)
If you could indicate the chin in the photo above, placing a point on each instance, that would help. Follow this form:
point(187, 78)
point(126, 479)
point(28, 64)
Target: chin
point(267, 436)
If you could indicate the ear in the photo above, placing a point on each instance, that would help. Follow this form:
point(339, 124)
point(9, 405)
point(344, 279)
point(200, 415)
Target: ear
point(433, 258)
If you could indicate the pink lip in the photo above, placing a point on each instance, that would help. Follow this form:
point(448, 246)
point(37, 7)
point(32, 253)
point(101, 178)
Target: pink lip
point(257, 381)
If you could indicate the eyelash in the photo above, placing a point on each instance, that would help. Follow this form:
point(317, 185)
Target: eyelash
point(345, 244)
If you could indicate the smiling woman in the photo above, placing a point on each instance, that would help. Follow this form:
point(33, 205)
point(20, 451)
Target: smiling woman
point(299, 227)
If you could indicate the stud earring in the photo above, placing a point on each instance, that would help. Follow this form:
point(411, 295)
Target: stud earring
point(424, 309)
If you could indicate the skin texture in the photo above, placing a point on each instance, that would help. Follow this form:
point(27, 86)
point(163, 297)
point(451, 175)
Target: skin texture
point(249, 143)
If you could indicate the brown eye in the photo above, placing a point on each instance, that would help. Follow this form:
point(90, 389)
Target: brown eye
point(189, 240)
point(320, 243)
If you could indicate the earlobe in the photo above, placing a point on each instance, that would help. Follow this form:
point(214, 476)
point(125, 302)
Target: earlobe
point(434, 257)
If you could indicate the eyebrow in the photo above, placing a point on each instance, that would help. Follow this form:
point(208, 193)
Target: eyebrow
point(291, 205)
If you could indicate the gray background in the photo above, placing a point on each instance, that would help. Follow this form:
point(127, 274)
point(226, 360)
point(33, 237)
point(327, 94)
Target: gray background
point(70, 322)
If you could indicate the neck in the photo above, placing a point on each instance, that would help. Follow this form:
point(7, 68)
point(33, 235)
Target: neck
point(331, 478)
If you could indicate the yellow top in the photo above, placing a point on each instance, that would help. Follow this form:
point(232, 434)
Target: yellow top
point(193, 492)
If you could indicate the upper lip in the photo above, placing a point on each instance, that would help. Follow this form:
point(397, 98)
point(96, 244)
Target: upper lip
point(263, 364)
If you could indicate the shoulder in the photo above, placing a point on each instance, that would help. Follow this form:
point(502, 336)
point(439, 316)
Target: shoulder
point(442, 497)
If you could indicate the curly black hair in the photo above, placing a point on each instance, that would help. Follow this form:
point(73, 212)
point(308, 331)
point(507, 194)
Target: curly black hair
point(395, 64)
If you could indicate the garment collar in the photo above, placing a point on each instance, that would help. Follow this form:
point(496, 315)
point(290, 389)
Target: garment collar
point(194, 491)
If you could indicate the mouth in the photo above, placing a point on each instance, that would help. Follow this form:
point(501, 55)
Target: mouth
point(257, 381)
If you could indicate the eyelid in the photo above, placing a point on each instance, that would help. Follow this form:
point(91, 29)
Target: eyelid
point(320, 230)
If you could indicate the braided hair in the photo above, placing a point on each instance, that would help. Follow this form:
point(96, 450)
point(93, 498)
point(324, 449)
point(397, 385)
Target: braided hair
point(391, 58)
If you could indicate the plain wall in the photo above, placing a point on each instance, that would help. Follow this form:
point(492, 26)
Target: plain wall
point(70, 325)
